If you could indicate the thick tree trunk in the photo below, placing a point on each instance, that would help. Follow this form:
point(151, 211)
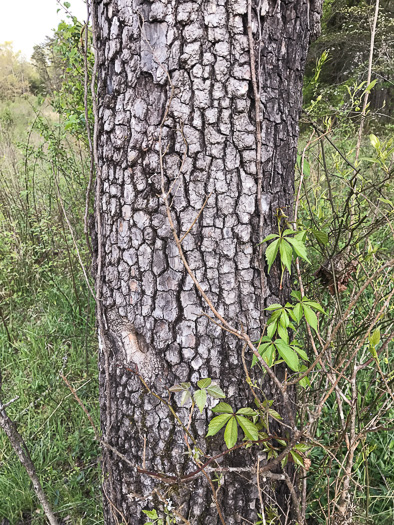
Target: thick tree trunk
point(151, 315)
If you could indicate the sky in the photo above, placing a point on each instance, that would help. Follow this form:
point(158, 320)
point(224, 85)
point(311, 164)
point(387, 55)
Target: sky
point(27, 22)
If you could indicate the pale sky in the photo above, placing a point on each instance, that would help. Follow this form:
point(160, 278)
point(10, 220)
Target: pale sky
point(27, 22)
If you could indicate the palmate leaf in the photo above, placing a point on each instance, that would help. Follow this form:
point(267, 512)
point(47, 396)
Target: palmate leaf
point(267, 352)
point(246, 412)
point(274, 306)
point(185, 397)
point(216, 392)
point(271, 252)
point(283, 334)
point(203, 383)
point(288, 355)
point(321, 236)
point(286, 253)
point(299, 248)
point(200, 398)
point(297, 458)
point(310, 316)
point(271, 329)
point(297, 312)
point(223, 407)
point(231, 433)
point(313, 304)
point(301, 352)
point(269, 237)
point(217, 423)
point(249, 428)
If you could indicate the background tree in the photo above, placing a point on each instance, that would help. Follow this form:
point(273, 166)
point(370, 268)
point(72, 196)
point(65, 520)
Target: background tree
point(177, 90)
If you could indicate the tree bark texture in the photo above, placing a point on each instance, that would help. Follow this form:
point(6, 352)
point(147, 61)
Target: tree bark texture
point(151, 310)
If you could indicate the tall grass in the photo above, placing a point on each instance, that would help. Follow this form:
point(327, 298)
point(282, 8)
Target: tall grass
point(47, 321)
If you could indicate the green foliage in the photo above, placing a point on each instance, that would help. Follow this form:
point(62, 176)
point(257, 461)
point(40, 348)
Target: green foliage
point(232, 419)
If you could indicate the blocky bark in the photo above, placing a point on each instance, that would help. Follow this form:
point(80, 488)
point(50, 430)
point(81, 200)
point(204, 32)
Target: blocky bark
point(151, 309)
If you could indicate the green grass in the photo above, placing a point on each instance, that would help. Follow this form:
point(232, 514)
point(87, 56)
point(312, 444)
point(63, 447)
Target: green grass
point(57, 433)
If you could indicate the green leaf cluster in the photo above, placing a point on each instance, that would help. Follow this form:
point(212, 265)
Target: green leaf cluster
point(232, 420)
point(206, 387)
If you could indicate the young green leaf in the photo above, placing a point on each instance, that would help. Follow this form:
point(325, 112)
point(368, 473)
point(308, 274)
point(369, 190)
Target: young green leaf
point(296, 294)
point(288, 355)
point(314, 305)
point(304, 382)
point(274, 306)
point(203, 383)
point(270, 237)
point(375, 337)
point(283, 334)
point(246, 412)
point(231, 433)
point(297, 312)
point(286, 254)
point(185, 397)
point(271, 329)
point(298, 460)
point(200, 397)
point(223, 407)
point(151, 514)
point(249, 428)
point(216, 392)
point(299, 248)
point(301, 353)
point(271, 253)
point(284, 319)
point(176, 388)
point(273, 413)
point(217, 423)
point(302, 447)
point(310, 316)
point(320, 236)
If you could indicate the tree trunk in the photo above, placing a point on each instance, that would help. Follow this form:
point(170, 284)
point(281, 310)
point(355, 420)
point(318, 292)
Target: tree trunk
point(193, 60)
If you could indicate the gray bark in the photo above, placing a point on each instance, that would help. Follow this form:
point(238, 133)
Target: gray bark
point(151, 309)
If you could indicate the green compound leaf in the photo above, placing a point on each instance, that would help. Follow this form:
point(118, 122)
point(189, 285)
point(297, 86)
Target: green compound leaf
point(310, 316)
point(301, 353)
point(185, 397)
point(274, 306)
point(299, 248)
point(288, 355)
point(297, 458)
point(286, 253)
point(283, 334)
point(217, 423)
point(200, 397)
point(270, 237)
point(216, 392)
point(321, 236)
point(271, 252)
point(203, 383)
point(223, 407)
point(267, 352)
point(231, 433)
point(271, 329)
point(302, 447)
point(246, 412)
point(249, 428)
point(297, 312)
